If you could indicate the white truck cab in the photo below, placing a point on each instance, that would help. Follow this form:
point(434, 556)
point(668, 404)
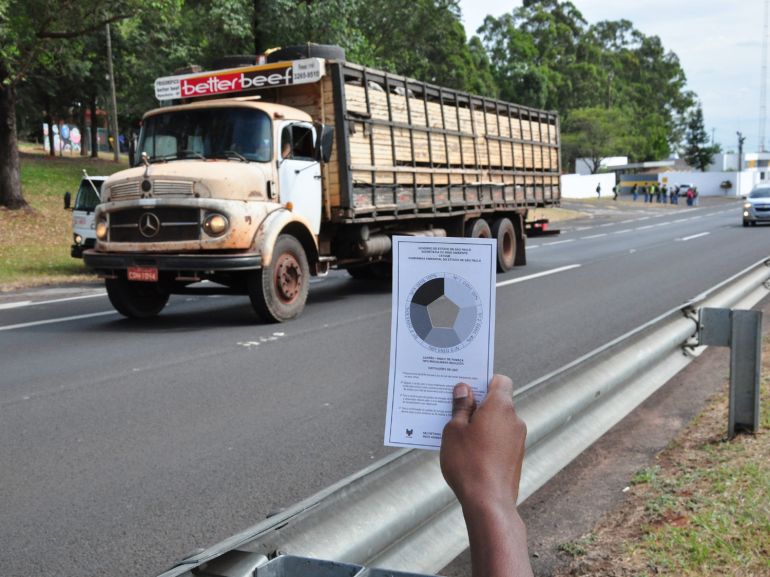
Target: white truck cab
point(83, 213)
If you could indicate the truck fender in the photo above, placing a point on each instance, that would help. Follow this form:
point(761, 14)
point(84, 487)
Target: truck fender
point(283, 221)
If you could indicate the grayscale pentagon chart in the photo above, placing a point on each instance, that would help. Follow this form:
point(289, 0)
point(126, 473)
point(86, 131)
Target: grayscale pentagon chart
point(444, 312)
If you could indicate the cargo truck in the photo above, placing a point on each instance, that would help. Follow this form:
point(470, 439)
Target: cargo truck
point(257, 177)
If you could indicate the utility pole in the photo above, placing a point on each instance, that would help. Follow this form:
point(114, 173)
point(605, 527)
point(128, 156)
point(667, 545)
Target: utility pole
point(115, 135)
point(763, 83)
point(741, 140)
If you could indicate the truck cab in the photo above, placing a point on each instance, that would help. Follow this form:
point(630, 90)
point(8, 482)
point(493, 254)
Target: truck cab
point(215, 185)
point(83, 214)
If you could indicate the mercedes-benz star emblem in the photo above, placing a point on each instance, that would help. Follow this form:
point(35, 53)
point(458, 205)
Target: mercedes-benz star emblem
point(149, 225)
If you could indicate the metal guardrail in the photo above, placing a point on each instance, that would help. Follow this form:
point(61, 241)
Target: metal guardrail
point(399, 513)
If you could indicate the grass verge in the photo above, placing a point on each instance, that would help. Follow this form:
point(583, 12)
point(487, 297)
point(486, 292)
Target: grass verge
point(702, 509)
point(35, 244)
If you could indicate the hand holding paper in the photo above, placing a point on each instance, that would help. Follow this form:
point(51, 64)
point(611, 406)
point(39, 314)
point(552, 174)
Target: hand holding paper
point(442, 332)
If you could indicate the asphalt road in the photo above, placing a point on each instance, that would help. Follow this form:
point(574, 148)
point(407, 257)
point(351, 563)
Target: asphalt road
point(124, 445)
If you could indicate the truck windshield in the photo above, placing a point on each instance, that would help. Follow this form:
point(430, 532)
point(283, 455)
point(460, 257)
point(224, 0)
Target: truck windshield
point(86, 198)
point(242, 134)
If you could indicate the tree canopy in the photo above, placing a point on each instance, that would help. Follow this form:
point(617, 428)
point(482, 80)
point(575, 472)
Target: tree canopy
point(617, 90)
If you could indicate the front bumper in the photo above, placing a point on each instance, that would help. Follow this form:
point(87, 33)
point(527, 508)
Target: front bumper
point(197, 263)
point(756, 213)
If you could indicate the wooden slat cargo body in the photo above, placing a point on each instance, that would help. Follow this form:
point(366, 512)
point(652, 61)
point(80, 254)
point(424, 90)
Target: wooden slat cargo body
point(406, 149)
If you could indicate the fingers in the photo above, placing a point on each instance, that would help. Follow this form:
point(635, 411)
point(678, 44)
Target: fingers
point(463, 403)
point(500, 389)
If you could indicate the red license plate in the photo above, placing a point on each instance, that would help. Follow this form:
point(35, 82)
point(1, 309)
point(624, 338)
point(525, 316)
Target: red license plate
point(143, 273)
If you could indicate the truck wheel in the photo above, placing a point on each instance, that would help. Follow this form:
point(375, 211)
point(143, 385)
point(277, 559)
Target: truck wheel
point(136, 300)
point(477, 228)
point(278, 292)
point(505, 234)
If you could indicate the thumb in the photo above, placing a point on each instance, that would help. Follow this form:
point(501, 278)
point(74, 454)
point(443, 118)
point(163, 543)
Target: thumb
point(463, 404)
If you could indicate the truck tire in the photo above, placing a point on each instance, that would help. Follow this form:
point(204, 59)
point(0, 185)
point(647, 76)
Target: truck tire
point(309, 50)
point(503, 231)
point(477, 228)
point(278, 292)
point(136, 300)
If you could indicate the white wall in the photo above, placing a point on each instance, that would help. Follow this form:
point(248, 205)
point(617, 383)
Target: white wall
point(584, 186)
point(708, 182)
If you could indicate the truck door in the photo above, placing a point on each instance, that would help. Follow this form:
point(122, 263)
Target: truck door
point(299, 173)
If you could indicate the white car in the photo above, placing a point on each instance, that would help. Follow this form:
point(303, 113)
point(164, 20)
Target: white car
point(757, 206)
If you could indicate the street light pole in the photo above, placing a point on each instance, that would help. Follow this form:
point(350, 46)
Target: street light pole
point(116, 144)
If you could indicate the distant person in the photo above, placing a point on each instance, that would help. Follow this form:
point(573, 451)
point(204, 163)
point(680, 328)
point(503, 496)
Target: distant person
point(599, 190)
point(615, 191)
point(664, 194)
point(646, 189)
point(482, 451)
point(695, 196)
point(675, 195)
point(690, 196)
point(634, 192)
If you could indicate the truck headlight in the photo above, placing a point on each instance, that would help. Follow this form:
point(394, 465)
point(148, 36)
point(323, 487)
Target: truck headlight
point(746, 205)
point(78, 239)
point(215, 224)
point(101, 230)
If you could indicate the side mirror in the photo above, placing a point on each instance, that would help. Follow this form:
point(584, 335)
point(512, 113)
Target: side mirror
point(324, 142)
point(67, 200)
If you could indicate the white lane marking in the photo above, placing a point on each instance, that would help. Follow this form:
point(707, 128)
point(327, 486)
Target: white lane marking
point(686, 238)
point(607, 224)
point(678, 220)
point(622, 231)
point(533, 246)
point(644, 218)
point(595, 236)
point(48, 302)
point(645, 227)
point(695, 217)
point(559, 242)
point(627, 221)
point(15, 305)
point(59, 320)
point(537, 275)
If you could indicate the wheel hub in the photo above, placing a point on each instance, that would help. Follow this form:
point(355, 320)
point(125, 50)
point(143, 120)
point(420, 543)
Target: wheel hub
point(288, 278)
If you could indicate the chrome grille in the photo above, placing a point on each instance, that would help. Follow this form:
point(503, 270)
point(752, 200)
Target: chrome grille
point(124, 190)
point(173, 224)
point(172, 188)
point(133, 189)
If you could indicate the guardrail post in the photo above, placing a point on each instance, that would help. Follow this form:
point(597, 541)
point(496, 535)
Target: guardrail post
point(741, 330)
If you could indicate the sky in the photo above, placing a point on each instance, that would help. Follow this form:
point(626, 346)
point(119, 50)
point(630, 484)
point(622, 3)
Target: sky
point(718, 42)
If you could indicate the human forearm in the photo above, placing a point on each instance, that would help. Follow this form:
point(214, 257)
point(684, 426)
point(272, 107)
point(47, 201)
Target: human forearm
point(498, 540)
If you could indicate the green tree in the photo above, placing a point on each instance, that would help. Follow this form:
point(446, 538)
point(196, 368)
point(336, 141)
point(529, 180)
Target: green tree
point(29, 33)
point(596, 134)
point(697, 152)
